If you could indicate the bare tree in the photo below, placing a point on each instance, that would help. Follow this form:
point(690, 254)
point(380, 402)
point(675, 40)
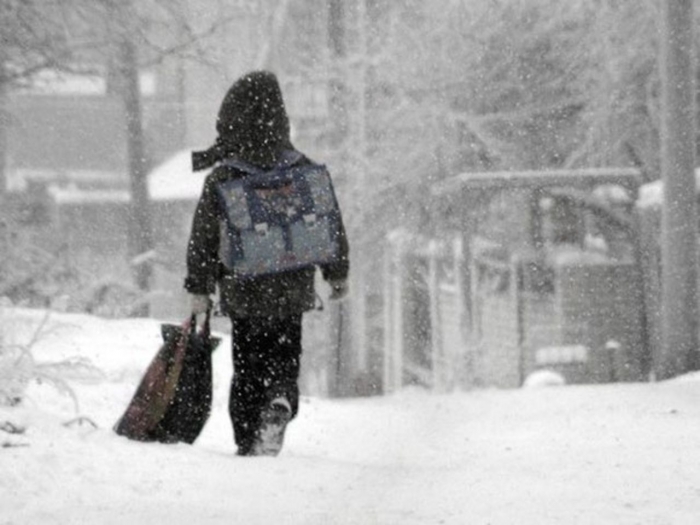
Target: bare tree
point(119, 37)
point(34, 38)
point(680, 224)
point(617, 80)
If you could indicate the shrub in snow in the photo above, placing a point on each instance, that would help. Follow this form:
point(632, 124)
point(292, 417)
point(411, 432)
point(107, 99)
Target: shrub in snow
point(18, 368)
point(12, 385)
point(36, 275)
point(13, 376)
point(110, 298)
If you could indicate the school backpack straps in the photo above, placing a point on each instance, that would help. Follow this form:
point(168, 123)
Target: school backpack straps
point(277, 220)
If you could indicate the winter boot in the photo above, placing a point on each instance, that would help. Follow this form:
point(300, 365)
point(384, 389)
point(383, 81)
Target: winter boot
point(273, 422)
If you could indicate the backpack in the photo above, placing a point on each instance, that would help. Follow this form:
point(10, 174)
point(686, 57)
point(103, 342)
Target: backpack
point(283, 219)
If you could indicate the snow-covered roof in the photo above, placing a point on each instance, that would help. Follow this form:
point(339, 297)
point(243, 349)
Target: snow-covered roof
point(88, 83)
point(72, 194)
point(581, 178)
point(170, 181)
point(175, 180)
point(19, 179)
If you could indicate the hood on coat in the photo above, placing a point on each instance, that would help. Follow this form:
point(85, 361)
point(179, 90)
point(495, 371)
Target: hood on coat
point(252, 123)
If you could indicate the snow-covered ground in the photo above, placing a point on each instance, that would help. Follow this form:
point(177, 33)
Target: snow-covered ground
point(612, 454)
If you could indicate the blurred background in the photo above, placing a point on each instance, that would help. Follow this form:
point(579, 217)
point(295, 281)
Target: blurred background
point(455, 283)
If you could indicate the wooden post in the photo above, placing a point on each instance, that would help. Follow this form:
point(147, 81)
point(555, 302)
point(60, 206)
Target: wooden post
point(393, 316)
point(338, 127)
point(388, 314)
point(4, 119)
point(679, 226)
point(336, 84)
point(4, 124)
point(140, 230)
point(437, 346)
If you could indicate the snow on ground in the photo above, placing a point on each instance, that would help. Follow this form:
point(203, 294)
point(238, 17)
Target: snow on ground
point(613, 454)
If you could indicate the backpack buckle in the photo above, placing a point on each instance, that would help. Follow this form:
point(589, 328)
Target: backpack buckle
point(262, 229)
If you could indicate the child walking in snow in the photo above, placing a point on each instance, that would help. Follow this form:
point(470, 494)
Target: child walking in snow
point(266, 310)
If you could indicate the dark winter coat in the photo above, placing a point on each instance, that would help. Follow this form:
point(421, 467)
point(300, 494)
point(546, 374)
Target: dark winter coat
point(252, 126)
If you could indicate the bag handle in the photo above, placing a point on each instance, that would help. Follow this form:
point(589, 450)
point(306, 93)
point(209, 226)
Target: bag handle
point(205, 331)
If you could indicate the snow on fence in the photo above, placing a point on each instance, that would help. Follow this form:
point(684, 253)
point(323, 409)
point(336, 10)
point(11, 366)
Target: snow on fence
point(424, 314)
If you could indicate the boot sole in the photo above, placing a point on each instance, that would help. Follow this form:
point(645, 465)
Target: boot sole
point(271, 433)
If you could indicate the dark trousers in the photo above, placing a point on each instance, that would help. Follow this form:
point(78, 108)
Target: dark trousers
point(266, 357)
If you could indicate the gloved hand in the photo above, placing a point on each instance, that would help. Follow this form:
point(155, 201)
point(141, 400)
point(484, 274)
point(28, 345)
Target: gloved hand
point(199, 304)
point(339, 289)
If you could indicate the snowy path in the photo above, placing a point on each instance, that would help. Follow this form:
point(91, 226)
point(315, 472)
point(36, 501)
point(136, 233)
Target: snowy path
point(596, 454)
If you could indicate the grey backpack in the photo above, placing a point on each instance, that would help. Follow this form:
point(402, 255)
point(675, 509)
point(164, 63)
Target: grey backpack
point(277, 220)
